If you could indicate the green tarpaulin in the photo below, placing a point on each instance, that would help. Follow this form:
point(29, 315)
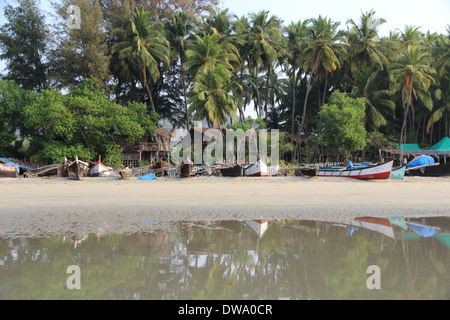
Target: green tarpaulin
point(410, 147)
point(443, 145)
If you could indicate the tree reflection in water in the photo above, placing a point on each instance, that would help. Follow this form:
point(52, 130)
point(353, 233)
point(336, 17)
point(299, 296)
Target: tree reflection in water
point(292, 259)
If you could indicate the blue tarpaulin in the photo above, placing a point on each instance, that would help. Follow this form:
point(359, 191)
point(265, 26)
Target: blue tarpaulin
point(421, 161)
point(424, 231)
point(13, 164)
point(149, 176)
point(19, 165)
point(350, 165)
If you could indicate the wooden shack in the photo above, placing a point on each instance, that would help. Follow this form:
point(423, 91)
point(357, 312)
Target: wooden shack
point(148, 150)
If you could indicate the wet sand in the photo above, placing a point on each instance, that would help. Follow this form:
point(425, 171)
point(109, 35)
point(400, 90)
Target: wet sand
point(43, 205)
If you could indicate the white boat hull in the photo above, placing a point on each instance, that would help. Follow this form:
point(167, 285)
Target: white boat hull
point(258, 169)
point(382, 171)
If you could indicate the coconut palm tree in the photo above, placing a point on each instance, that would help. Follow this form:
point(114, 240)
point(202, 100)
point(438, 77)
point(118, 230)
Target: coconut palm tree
point(321, 47)
point(412, 76)
point(365, 45)
point(208, 52)
point(379, 106)
point(146, 46)
point(411, 36)
point(241, 37)
point(212, 97)
point(294, 34)
point(441, 104)
point(218, 23)
point(179, 29)
point(442, 53)
point(265, 42)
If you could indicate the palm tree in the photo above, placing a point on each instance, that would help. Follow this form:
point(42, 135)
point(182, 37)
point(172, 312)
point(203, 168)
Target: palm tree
point(265, 42)
point(442, 53)
point(442, 104)
point(211, 97)
point(218, 23)
point(365, 46)
point(321, 47)
point(241, 35)
point(294, 35)
point(179, 29)
point(412, 76)
point(411, 36)
point(146, 46)
point(207, 52)
point(379, 106)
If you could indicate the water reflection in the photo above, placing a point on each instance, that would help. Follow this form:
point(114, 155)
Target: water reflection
point(288, 259)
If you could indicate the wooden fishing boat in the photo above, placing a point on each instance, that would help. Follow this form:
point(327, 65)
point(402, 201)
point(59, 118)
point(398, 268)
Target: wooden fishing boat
point(369, 172)
point(398, 173)
point(100, 170)
point(185, 169)
point(21, 166)
point(309, 172)
point(259, 226)
point(160, 168)
point(79, 168)
point(432, 170)
point(7, 171)
point(126, 173)
point(50, 170)
point(233, 171)
point(257, 169)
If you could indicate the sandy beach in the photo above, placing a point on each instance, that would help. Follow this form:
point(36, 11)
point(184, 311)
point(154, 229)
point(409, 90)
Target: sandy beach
point(43, 205)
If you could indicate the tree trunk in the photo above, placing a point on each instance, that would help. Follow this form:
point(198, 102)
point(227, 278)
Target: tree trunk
point(431, 135)
point(242, 116)
point(308, 88)
point(267, 95)
point(149, 93)
point(184, 89)
point(294, 89)
point(324, 91)
point(144, 80)
point(446, 125)
point(321, 103)
point(257, 92)
point(151, 101)
point(403, 133)
point(186, 106)
point(423, 129)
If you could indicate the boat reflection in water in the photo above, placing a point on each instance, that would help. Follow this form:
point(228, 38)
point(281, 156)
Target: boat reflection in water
point(259, 259)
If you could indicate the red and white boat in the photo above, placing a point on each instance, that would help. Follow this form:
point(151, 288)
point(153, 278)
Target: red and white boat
point(380, 171)
point(7, 171)
point(257, 169)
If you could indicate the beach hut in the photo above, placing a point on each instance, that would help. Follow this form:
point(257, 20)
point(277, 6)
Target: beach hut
point(148, 150)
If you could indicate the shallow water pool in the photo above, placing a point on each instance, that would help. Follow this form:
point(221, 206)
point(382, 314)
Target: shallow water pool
point(361, 258)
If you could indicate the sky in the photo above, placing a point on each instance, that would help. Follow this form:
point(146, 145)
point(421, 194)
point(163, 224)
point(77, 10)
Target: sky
point(430, 15)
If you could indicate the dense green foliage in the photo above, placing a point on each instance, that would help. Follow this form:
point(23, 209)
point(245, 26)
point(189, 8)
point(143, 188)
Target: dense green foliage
point(23, 42)
point(83, 123)
point(343, 124)
point(187, 59)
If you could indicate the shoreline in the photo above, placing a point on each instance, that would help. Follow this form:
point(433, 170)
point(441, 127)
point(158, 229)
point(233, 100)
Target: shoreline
point(48, 205)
